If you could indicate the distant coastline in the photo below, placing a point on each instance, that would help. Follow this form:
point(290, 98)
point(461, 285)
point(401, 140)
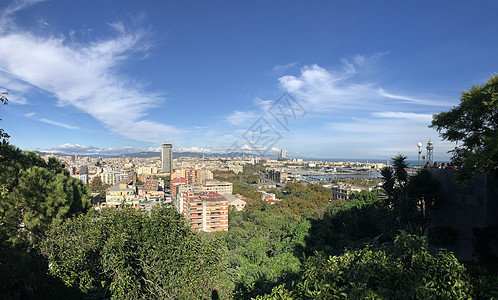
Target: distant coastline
point(410, 162)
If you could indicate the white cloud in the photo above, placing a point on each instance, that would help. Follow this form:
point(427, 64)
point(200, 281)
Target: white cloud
point(84, 76)
point(73, 149)
point(51, 122)
point(194, 149)
point(425, 118)
point(90, 150)
point(432, 102)
point(6, 20)
point(388, 133)
point(325, 90)
point(282, 68)
point(362, 118)
point(69, 148)
point(55, 123)
point(362, 63)
point(15, 98)
point(153, 149)
point(321, 89)
point(239, 118)
point(387, 123)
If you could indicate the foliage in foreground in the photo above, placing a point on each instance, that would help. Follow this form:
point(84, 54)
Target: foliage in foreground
point(264, 250)
point(129, 254)
point(34, 196)
point(474, 123)
point(407, 270)
point(409, 198)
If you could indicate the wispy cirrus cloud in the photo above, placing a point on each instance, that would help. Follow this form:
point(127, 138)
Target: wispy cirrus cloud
point(430, 101)
point(51, 122)
point(84, 76)
point(239, 118)
point(6, 15)
point(278, 69)
point(418, 117)
point(55, 123)
point(388, 133)
point(388, 123)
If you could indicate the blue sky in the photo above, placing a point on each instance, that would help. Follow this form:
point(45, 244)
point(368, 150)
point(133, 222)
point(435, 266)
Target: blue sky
point(121, 76)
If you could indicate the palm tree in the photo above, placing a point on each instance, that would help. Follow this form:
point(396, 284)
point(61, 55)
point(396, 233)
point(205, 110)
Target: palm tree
point(410, 198)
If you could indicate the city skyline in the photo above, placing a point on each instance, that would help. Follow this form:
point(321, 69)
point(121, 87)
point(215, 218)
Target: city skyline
point(123, 76)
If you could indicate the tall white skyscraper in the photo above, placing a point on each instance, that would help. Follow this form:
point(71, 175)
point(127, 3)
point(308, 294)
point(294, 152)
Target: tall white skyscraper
point(167, 157)
point(282, 155)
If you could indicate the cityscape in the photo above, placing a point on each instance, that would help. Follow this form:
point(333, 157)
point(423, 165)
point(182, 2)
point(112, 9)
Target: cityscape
point(184, 181)
point(248, 150)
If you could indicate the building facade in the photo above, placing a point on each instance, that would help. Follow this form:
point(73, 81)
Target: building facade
point(111, 177)
point(342, 191)
point(205, 211)
point(217, 186)
point(277, 176)
point(121, 193)
point(167, 157)
point(192, 176)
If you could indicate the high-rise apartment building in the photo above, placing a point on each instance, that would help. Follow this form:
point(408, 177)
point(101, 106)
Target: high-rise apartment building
point(167, 157)
point(282, 155)
point(206, 211)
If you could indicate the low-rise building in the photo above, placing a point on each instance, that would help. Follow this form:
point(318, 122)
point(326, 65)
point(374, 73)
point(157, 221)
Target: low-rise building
point(343, 191)
point(277, 176)
point(147, 170)
point(236, 168)
point(236, 201)
point(121, 193)
point(269, 197)
point(218, 186)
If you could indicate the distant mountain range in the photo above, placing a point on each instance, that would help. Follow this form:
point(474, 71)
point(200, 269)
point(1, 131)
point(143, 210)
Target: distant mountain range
point(151, 154)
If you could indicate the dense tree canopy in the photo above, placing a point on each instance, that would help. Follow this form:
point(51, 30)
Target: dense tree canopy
point(302, 199)
point(34, 196)
point(37, 194)
point(408, 270)
point(474, 124)
point(264, 250)
point(129, 254)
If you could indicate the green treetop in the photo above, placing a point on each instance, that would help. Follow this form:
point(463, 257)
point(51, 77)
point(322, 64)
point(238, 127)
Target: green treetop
point(473, 123)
